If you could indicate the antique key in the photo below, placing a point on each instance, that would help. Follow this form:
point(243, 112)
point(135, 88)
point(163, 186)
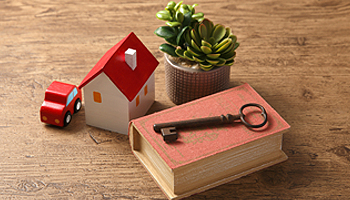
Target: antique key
point(168, 130)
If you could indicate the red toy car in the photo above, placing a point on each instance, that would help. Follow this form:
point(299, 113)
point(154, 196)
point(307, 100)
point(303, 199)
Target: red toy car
point(61, 101)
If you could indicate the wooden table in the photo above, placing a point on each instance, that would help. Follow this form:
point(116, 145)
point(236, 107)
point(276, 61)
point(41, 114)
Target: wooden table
point(296, 54)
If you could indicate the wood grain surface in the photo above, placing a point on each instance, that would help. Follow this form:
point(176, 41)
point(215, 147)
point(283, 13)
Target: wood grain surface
point(296, 54)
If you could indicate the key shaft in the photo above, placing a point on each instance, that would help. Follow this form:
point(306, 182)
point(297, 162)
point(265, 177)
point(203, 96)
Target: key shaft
point(195, 123)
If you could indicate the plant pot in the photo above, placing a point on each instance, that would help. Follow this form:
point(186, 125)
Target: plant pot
point(185, 84)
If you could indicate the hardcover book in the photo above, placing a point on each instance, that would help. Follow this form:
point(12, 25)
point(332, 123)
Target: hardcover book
point(206, 157)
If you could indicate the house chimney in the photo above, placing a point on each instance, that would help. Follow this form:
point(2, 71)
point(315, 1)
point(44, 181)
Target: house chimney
point(130, 58)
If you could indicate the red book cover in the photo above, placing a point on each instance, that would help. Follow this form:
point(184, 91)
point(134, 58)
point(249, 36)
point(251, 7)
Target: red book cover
point(194, 145)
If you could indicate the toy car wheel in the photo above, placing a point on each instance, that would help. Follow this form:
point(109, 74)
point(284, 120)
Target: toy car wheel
point(67, 118)
point(77, 105)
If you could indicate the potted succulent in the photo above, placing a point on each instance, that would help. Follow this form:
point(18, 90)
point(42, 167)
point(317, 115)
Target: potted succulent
point(198, 54)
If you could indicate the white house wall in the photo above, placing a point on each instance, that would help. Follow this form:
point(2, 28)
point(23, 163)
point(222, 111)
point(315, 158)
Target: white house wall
point(146, 101)
point(112, 114)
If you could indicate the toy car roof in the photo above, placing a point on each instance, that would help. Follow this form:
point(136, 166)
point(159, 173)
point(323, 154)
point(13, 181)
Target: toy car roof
point(58, 92)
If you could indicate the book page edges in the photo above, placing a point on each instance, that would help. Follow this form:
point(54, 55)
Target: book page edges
point(221, 165)
point(278, 158)
point(149, 158)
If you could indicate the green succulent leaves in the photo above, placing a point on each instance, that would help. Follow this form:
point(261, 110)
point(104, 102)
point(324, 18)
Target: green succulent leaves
point(165, 32)
point(180, 18)
point(176, 13)
point(218, 32)
point(164, 15)
point(190, 36)
point(169, 49)
point(209, 45)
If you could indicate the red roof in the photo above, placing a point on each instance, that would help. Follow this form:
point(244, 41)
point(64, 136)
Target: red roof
point(113, 64)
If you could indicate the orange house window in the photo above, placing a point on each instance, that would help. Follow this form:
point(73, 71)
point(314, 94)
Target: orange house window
point(97, 97)
point(137, 101)
point(146, 90)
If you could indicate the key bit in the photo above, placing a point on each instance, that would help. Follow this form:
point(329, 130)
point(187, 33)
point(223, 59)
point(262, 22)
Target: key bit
point(169, 134)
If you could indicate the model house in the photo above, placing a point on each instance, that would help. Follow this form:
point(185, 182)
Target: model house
point(120, 86)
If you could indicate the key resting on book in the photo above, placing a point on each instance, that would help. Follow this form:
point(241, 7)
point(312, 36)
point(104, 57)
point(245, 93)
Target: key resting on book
point(168, 129)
